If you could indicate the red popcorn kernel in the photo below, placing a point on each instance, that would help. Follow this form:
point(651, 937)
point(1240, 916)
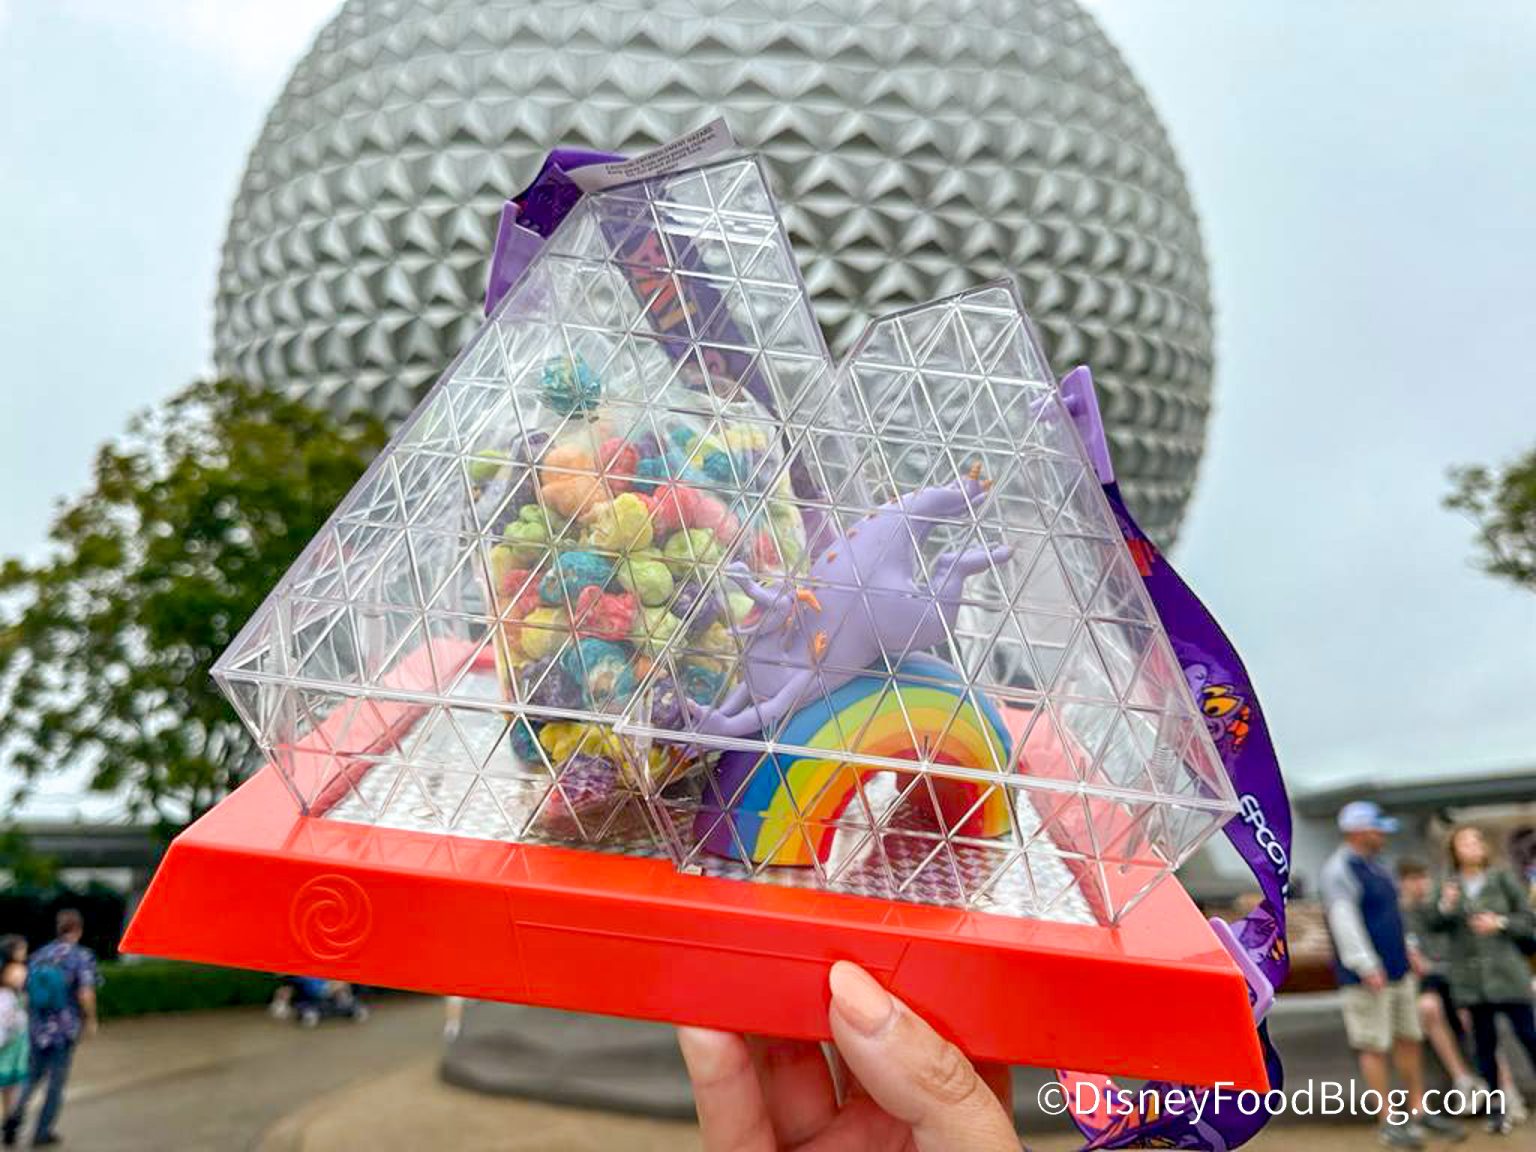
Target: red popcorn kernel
point(511, 582)
point(618, 458)
point(726, 530)
point(527, 597)
point(765, 552)
point(605, 615)
point(674, 508)
point(707, 512)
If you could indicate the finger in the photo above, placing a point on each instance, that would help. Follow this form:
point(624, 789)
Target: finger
point(797, 1085)
point(912, 1072)
point(861, 1125)
point(733, 1116)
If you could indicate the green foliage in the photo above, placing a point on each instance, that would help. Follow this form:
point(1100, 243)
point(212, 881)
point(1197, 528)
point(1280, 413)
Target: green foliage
point(26, 867)
point(141, 987)
point(105, 645)
point(1502, 503)
point(30, 910)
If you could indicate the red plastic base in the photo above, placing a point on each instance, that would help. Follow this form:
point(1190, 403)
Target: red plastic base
point(254, 884)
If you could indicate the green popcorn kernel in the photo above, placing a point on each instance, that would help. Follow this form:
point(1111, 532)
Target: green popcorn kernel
point(653, 627)
point(528, 541)
point(650, 580)
point(692, 546)
point(484, 465)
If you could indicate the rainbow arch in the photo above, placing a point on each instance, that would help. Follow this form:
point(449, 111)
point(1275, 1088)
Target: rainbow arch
point(778, 792)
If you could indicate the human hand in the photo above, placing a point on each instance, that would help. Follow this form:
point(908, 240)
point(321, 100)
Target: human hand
point(1450, 896)
point(907, 1087)
point(1417, 962)
point(1375, 981)
point(1486, 923)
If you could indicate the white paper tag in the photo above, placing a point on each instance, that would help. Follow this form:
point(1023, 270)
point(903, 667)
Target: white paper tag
point(683, 152)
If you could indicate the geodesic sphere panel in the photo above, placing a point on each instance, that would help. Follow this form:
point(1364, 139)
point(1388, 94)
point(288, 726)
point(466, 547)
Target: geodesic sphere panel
point(918, 149)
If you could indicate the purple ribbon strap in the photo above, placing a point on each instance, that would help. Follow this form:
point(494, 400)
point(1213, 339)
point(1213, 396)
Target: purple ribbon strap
point(529, 217)
point(1261, 833)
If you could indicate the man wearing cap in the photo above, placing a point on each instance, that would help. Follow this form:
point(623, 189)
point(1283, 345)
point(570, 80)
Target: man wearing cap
point(1376, 981)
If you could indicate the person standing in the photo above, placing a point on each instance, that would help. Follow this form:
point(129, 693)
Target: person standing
point(1487, 915)
point(1376, 981)
point(1427, 950)
point(14, 1043)
point(61, 995)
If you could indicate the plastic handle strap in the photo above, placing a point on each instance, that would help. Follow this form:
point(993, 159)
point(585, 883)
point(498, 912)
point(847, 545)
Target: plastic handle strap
point(1215, 673)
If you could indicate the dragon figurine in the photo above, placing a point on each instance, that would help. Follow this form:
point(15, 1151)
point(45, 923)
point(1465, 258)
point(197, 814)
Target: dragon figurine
point(864, 601)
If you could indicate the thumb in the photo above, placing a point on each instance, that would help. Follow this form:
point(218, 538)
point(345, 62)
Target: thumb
point(912, 1072)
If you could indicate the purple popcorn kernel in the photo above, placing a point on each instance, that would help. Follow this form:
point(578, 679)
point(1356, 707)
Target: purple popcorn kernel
point(687, 598)
point(666, 708)
point(585, 777)
point(552, 686)
point(692, 595)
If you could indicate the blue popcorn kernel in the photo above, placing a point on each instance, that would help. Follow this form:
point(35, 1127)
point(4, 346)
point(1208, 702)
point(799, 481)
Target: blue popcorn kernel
point(568, 384)
point(601, 667)
point(571, 572)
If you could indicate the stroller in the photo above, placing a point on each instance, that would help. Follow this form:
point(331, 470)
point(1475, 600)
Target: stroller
point(309, 999)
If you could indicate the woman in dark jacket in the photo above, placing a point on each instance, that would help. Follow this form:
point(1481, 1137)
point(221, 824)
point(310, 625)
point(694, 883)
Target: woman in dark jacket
point(1486, 916)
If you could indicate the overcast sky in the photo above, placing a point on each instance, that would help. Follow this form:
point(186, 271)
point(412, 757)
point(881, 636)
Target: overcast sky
point(1367, 180)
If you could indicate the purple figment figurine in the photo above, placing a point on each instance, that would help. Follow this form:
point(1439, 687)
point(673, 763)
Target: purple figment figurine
point(867, 603)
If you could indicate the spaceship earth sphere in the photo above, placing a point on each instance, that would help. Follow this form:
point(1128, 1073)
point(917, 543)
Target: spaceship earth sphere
point(917, 148)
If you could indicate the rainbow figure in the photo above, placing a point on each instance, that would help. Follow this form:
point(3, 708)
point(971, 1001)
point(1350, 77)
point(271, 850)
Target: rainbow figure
point(778, 792)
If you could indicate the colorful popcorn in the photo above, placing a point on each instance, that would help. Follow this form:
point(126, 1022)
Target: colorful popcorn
point(612, 518)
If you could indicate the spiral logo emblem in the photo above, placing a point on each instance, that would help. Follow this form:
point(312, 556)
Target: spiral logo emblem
point(331, 917)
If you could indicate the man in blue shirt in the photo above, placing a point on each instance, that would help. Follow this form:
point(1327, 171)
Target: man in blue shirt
point(61, 993)
point(1377, 984)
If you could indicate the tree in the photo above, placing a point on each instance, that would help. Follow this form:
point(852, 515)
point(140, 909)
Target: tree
point(105, 645)
point(26, 867)
point(1502, 503)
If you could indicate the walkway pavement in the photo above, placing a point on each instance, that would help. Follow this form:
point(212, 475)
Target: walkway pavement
point(215, 1081)
point(237, 1081)
point(412, 1110)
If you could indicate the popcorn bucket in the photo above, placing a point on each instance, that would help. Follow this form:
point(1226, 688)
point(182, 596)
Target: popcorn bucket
point(668, 658)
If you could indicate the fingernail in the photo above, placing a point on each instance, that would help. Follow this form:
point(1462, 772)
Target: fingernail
point(859, 999)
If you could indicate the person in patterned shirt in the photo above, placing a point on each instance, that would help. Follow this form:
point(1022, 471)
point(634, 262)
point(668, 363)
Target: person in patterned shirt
point(61, 990)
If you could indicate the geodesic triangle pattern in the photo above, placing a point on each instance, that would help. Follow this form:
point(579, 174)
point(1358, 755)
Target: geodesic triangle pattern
point(980, 140)
point(643, 573)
